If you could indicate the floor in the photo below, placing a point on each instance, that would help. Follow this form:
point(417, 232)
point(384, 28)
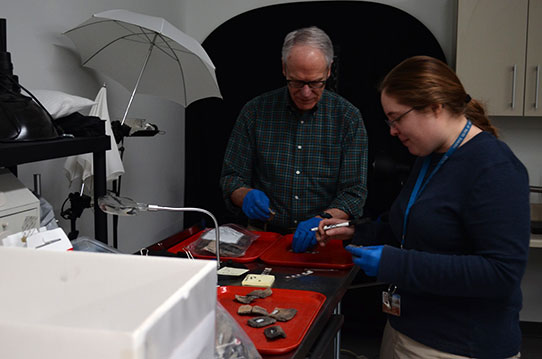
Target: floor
point(362, 330)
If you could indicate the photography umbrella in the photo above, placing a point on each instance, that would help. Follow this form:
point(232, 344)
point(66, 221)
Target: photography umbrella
point(146, 54)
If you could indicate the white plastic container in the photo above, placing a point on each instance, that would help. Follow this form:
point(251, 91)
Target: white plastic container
point(96, 305)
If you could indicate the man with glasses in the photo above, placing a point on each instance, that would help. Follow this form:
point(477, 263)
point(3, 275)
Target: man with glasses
point(299, 153)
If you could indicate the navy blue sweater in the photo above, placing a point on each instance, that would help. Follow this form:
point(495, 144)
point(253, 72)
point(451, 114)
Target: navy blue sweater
point(465, 252)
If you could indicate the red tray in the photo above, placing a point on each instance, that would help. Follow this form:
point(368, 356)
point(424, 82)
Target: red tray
point(256, 249)
point(333, 255)
point(307, 303)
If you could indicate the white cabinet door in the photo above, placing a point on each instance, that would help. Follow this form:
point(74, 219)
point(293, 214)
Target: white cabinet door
point(533, 68)
point(491, 47)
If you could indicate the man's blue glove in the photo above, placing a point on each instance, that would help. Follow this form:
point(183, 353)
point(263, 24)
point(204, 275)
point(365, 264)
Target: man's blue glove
point(367, 258)
point(303, 237)
point(256, 205)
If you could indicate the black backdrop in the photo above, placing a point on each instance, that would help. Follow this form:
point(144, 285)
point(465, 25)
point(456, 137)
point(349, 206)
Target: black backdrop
point(369, 40)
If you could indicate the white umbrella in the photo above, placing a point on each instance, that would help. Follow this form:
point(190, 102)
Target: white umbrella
point(146, 54)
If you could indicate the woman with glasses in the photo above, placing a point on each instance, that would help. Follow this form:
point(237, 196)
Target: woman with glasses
point(455, 247)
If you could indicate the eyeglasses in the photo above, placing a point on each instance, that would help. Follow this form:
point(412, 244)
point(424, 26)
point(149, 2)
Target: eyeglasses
point(297, 84)
point(392, 123)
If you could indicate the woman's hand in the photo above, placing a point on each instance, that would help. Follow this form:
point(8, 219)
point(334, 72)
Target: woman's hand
point(341, 233)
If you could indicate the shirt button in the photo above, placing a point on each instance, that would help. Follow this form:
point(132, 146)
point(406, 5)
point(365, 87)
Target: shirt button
point(302, 122)
point(299, 147)
point(296, 197)
point(297, 172)
point(295, 221)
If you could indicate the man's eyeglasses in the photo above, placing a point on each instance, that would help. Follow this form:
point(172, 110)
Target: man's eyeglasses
point(392, 123)
point(297, 84)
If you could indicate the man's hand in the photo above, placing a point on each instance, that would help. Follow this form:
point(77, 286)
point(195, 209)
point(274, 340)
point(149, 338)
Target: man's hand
point(367, 258)
point(303, 236)
point(256, 205)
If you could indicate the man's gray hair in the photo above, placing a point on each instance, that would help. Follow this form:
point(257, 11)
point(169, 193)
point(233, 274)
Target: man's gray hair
point(310, 36)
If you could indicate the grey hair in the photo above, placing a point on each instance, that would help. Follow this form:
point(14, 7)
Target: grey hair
point(310, 36)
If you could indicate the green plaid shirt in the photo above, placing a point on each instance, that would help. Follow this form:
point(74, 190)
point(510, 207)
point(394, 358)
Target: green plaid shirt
point(305, 163)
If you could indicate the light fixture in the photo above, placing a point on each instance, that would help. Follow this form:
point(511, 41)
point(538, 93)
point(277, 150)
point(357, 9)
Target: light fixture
point(123, 206)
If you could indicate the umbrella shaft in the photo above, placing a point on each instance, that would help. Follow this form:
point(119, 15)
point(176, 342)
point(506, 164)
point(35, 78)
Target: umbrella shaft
point(139, 78)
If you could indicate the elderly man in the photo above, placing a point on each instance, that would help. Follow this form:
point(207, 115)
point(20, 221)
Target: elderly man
point(299, 153)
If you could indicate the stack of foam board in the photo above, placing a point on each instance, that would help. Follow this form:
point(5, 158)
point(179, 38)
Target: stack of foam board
point(96, 305)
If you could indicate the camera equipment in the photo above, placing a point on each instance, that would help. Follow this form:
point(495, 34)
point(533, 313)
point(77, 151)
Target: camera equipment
point(21, 119)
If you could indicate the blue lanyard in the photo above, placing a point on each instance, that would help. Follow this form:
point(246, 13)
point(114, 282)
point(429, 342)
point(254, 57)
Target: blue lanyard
point(420, 184)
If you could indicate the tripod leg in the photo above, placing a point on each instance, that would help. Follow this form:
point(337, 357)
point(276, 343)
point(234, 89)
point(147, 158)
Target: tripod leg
point(73, 233)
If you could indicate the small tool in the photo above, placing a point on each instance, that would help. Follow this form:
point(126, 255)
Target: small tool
point(344, 224)
point(48, 242)
point(272, 214)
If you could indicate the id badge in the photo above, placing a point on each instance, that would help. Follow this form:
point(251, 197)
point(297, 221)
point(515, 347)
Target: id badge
point(391, 303)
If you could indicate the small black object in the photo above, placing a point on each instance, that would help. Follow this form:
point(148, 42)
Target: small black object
point(80, 125)
point(78, 204)
point(120, 130)
point(274, 332)
point(325, 215)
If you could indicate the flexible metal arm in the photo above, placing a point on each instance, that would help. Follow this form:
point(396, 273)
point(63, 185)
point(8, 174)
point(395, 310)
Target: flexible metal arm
point(153, 207)
point(123, 206)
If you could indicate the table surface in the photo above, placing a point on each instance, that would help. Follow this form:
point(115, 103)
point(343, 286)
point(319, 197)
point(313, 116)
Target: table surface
point(332, 283)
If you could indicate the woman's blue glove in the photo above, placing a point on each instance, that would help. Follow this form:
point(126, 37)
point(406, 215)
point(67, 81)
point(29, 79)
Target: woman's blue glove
point(256, 205)
point(367, 258)
point(303, 237)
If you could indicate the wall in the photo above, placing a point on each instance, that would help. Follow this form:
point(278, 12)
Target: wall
point(44, 59)
point(523, 135)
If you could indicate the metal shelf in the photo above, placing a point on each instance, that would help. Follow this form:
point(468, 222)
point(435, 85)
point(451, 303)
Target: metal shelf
point(16, 153)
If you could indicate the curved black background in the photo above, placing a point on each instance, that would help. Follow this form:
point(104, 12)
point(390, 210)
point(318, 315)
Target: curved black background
point(369, 40)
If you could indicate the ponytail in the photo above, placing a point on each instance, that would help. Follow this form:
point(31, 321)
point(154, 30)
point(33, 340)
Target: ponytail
point(476, 113)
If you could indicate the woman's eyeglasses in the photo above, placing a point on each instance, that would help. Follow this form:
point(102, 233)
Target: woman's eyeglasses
point(392, 123)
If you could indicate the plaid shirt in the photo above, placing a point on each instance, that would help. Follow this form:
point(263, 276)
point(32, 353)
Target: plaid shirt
point(305, 163)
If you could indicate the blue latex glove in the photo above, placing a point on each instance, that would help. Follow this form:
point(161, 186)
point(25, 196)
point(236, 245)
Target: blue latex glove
point(367, 258)
point(256, 205)
point(303, 237)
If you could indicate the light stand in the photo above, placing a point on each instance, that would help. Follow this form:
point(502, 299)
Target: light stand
point(122, 206)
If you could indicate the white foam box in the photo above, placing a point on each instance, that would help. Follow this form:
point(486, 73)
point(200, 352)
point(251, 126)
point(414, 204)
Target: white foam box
point(101, 305)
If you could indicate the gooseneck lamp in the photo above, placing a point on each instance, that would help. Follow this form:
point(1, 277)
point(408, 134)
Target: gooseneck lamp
point(123, 206)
